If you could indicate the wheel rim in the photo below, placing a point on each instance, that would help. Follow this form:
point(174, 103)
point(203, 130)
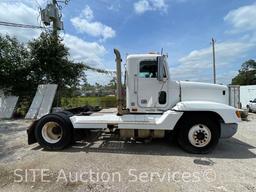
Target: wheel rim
point(199, 135)
point(52, 132)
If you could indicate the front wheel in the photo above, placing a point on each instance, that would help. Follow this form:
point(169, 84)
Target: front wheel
point(53, 132)
point(198, 136)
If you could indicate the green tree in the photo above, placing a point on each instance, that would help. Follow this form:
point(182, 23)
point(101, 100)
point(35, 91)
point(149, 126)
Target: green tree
point(247, 74)
point(42, 60)
point(15, 66)
point(50, 63)
point(111, 86)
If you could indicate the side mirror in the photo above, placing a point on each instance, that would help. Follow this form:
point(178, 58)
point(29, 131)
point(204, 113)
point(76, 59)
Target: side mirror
point(160, 70)
point(251, 101)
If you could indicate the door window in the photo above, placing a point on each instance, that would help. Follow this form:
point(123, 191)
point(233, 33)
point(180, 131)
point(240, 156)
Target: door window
point(148, 69)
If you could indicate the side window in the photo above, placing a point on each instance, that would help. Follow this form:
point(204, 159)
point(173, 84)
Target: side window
point(148, 69)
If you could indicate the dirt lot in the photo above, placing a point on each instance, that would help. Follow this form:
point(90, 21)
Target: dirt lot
point(108, 165)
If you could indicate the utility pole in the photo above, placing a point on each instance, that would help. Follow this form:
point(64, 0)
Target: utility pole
point(54, 21)
point(51, 14)
point(213, 60)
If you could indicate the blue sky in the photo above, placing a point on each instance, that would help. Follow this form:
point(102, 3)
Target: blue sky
point(183, 28)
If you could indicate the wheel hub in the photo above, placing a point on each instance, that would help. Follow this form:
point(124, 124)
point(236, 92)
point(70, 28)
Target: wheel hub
point(52, 132)
point(199, 135)
point(56, 130)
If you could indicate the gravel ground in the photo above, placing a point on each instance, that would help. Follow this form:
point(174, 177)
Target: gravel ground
point(108, 165)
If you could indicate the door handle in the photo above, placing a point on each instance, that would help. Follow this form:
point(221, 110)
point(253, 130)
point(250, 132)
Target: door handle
point(135, 83)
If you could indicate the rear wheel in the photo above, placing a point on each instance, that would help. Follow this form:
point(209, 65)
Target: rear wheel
point(198, 135)
point(53, 132)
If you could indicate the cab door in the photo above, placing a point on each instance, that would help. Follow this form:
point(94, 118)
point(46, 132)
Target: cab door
point(151, 92)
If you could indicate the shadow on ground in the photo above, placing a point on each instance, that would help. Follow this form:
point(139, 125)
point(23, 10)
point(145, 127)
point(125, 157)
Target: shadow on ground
point(11, 137)
point(8, 127)
point(229, 148)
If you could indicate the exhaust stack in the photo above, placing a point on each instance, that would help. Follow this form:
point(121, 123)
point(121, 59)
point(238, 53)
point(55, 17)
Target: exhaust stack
point(119, 82)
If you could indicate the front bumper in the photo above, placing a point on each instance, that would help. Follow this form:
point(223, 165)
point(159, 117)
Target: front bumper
point(228, 129)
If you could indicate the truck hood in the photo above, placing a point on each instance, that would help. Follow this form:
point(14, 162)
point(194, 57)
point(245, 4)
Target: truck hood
point(197, 91)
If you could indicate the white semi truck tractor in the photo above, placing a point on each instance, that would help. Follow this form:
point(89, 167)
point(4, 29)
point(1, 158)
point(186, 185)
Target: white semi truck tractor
point(196, 114)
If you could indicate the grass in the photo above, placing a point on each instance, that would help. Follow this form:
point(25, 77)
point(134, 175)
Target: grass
point(104, 102)
point(71, 102)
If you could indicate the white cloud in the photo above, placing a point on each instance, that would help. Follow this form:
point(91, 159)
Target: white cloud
point(19, 13)
point(198, 64)
point(26, 12)
point(142, 6)
point(95, 29)
point(225, 51)
point(88, 13)
point(114, 7)
point(101, 78)
point(84, 24)
point(242, 19)
point(90, 53)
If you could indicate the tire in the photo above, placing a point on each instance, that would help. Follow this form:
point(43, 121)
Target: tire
point(53, 132)
point(198, 135)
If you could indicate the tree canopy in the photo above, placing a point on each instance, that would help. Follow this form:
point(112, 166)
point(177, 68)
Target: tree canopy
point(50, 62)
point(15, 66)
point(43, 60)
point(247, 74)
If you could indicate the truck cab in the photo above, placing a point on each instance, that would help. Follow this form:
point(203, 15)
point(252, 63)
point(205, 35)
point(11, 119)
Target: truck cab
point(146, 91)
point(149, 88)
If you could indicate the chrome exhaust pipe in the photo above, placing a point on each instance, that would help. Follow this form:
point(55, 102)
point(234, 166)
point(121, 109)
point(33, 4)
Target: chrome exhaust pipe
point(119, 82)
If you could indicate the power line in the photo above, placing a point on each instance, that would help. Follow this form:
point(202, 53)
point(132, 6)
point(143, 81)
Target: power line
point(38, 3)
point(9, 24)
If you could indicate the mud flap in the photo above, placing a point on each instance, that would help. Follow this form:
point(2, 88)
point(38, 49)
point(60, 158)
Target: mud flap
point(31, 133)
